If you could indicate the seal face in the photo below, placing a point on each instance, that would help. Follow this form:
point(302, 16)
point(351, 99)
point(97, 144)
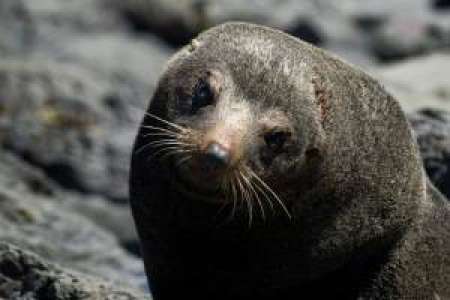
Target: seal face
point(223, 141)
point(265, 167)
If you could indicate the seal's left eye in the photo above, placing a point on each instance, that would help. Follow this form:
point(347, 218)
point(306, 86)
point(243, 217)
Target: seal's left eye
point(202, 97)
point(276, 139)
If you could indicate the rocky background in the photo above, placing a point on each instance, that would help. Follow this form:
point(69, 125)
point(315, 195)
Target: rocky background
point(76, 76)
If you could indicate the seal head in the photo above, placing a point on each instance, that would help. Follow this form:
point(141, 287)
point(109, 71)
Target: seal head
point(223, 129)
point(265, 167)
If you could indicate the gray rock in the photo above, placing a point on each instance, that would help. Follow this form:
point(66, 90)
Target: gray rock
point(441, 4)
point(35, 216)
point(67, 100)
point(77, 119)
point(81, 15)
point(178, 21)
point(24, 275)
point(360, 31)
point(420, 82)
point(115, 218)
point(174, 21)
point(432, 128)
point(405, 37)
point(28, 24)
point(17, 30)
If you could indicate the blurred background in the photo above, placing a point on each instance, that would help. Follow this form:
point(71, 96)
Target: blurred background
point(76, 76)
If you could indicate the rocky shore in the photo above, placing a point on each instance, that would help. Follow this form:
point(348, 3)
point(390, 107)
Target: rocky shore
point(76, 76)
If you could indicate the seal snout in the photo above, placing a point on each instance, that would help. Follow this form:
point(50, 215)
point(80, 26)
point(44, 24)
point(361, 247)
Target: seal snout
point(216, 157)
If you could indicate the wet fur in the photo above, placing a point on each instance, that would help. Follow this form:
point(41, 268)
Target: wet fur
point(366, 223)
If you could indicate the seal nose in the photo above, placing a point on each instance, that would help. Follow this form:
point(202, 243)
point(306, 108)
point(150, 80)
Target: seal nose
point(216, 157)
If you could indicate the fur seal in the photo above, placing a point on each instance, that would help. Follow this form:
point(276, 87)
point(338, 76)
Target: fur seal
point(267, 168)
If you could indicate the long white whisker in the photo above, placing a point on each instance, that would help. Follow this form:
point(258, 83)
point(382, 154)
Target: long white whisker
point(169, 142)
point(168, 148)
point(183, 160)
point(266, 197)
point(165, 121)
point(224, 188)
point(175, 151)
point(142, 148)
point(164, 134)
point(260, 190)
point(247, 200)
point(234, 193)
point(250, 185)
point(160, 129)
point(264, 185)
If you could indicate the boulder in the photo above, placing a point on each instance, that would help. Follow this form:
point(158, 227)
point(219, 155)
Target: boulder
point(422, 82)
point(25, 275)
point(36, 216)
point(432, 129)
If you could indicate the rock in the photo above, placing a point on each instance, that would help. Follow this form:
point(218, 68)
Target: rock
point(432, 128)
point(174, 21)
point(81, 15)
point(35, 216)
point(115, 218)
point(441, 4)
point(405, 37)
point(77, 119)
point(419, 83)
point(17, 30)
point(27, 24)
point(399, 39)
point(179, 21)
point(52, 117)
point(24, 275)
point(68, 100)
point(360, 31)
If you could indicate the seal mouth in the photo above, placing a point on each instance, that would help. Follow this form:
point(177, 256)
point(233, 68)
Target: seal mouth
point(184, 182)
point(225, 187)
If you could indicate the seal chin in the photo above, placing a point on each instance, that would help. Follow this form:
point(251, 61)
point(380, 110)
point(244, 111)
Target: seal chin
point(198, 185)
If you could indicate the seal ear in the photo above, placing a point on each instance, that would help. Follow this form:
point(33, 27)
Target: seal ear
point(193, 45)
point(322, 95)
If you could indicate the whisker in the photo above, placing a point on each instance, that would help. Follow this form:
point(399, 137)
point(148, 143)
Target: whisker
point(169, 131)
point(146, 113)
point(166, 134)
point(232, 183)
point(266, 197)
point(260, 190)
point(165, 121)
point(244, 195)
point(183, 160)
point(250, 185)
point(224, 188)
point(168, 148)
point(169, 142)
point(163, 142)
point(142, 148)
point(264, 185)
point(174, 151)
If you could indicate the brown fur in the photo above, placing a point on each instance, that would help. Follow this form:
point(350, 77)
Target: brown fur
point(365, 222)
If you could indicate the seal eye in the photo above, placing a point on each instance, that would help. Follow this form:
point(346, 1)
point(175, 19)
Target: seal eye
point(203, 96)
point(275, 140)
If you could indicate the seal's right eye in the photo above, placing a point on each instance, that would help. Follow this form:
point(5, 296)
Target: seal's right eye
point(203, 96)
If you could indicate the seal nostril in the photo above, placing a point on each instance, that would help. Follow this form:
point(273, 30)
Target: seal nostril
point(216, 156)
